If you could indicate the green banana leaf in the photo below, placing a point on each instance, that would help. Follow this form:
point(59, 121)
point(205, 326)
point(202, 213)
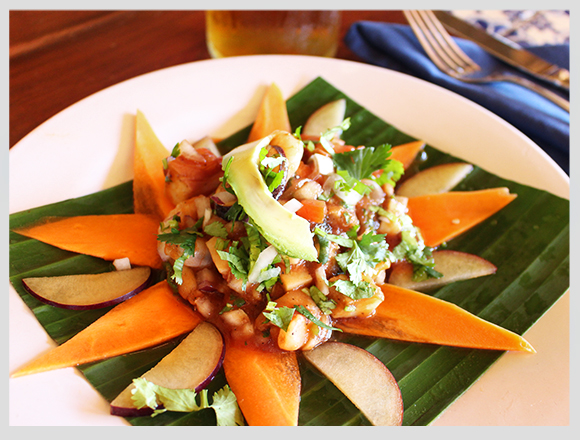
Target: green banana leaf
point(528, 241)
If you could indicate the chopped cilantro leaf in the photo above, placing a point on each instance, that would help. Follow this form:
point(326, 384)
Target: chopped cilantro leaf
point(412, 249)
point(307, 314)
point(224, 178)
point(185, 239)
point(338, 239)
point(324, 304)
point(328, 135)
point(354, 291)
point(176, 150)
point(235, 213)
point(224, 404)
point(216, 229)
point(361, 163)
point(237, 259)
point(280, 316)
point(268, 164)
point(362, 255)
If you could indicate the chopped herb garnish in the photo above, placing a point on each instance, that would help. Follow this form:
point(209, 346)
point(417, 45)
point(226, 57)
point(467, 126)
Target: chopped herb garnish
point(268, 165)
point(354, 291)
point(307, 314)
point(216, 229)
point(224, 178)
point(327, 136)
point(184, 400)
point(279, 316)
point(185, 239)
point(176, 150)
point(324, 304)
point(361, 163)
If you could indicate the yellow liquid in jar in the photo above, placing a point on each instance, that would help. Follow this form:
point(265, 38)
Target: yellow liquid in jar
point(233, 33)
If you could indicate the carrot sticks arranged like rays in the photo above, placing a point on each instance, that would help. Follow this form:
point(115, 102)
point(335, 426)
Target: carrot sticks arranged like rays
point(441, 217)
point(266, 383)
point(411, 316)
point(272, 115)
point(149, 181)
point(105, 236)
point(150, 318)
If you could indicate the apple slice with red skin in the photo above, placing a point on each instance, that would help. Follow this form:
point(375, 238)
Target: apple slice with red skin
point(434, 180)
point(89, 291)
point(363, 378)
point(191, 365)
point(454, 265)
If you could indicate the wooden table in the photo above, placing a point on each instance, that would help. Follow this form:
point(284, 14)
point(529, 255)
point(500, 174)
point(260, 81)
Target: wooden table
point(60, 57)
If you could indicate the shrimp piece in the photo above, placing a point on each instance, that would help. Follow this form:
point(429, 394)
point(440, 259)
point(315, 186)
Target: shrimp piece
point(183, 216)
point(397, 206)
point(303, 189)
point(347, 307)
point(209, 305)
point(302, 334)
point(188, 288)
point(239, 323)
point(195, 171)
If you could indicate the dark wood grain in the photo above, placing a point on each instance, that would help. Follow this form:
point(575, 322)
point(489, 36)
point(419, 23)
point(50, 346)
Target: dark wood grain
point(60, 57)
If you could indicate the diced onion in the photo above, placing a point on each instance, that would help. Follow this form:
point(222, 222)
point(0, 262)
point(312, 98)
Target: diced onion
point(263, 261)
point(320, 280)
point(293, 205)
point(207, 216)
point(323, 164)
point(187, 150)
point(351, 197)
point(224, 198)
point(208, 143)
point(122, 263)
point(377, 194)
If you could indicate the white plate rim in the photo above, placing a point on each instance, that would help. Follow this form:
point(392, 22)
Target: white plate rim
point(58, 139)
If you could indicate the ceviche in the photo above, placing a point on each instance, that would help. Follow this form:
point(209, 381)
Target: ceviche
point(267, 253)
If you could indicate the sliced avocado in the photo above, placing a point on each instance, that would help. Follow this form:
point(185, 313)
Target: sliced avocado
point(287, 232)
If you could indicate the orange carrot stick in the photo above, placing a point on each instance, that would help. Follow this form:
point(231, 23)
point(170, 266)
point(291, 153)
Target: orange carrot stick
point(406, 153)
point(272, 115)
point(266, 384)
point(150, 318)
point(407, 315)
point(149, 180)
point(441, 217)
point(104, 236)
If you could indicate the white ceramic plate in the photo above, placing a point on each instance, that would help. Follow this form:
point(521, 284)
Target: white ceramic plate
point(88, 147)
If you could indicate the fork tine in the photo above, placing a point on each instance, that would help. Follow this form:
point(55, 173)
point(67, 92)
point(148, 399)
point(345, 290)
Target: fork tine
point(438, 44)
point(450, 59)
point(425, 40)
point(446, 42)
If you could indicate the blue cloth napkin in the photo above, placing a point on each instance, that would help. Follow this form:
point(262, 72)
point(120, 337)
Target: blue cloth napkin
point(395, 46)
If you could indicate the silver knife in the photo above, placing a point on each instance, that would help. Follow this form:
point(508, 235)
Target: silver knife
point(509, 53)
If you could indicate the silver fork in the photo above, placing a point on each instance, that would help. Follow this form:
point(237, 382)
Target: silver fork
point(450, 59)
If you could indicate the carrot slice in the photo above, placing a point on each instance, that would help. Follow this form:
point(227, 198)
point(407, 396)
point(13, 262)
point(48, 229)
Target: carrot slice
point(408, 315)
point(266, 384)
point(440, 217)
point(149, 181)
point(312, 210)
point(152, 317)
point(104, 236)
point(272, 115)
point(406, 153)
point(341, 148)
